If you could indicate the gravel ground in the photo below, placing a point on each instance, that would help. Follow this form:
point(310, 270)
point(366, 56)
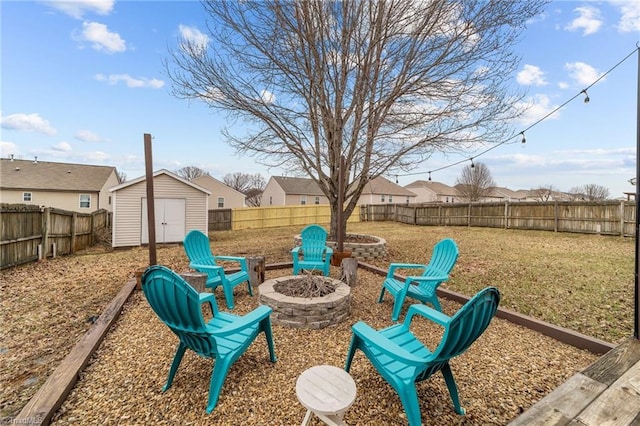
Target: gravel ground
point(506, 371)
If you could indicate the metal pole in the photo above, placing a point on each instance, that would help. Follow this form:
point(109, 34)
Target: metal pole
point(636, 328)
point(151, 211)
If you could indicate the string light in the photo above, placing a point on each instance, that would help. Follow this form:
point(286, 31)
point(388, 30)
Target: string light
point(396, 179)
point(523, 141)
point(472, 165)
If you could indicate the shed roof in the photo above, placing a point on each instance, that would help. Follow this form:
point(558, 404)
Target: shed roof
point(155, 174)
point(50, 176)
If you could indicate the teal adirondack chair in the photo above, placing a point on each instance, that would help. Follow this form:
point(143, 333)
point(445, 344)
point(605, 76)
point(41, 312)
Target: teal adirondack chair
point(315, 252)
point(225, 337)
point(196, 245)
point(422, 287)
point(403, 360)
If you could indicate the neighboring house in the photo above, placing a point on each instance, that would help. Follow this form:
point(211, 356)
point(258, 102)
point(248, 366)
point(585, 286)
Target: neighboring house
point(180, 206)
point(433, 192)
point(383, 191)
point(222, 195)
point(505, 194)
point(289, 191)
point(75, 187)
point(285, 191)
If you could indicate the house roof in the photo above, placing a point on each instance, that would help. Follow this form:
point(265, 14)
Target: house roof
point(155, 174)
point(381, 185)
point(49, 176)
point(214, 180)
point(298, 186)
point(438, 188)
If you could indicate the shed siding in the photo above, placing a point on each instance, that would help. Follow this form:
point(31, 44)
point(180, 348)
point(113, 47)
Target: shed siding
point(127, 221)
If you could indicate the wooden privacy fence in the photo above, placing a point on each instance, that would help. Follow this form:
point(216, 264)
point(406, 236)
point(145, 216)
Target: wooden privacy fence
point(29, 233)
point(271, 217)
point(602, 217)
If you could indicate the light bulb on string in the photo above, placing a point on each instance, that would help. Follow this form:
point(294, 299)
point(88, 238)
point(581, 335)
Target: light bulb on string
point(472, 165)
point(586, 96)
point(429, 176)
point(524, 140)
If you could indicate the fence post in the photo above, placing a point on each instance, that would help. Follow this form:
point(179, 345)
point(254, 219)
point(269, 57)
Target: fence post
point(557, 219)
point(74, 221)
point(469, 214)
point(506, 214)
point(46, 217)
point(622, 218)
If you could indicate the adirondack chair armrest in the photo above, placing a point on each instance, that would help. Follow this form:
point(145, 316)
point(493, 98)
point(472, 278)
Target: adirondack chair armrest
point(385, 345)
point(253, 317)
point(296, 250)
point(208, 269)
point(211, 300)
point(428, 313)
point(328, 251)
point(430, 279)
point(394, 266)
point(241, 260)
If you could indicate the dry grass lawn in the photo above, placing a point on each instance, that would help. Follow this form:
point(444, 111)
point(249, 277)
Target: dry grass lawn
point(582, 282)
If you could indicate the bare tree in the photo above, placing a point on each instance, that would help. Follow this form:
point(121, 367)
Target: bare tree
point(590, 192)
point(122, 176)
point(475, 182)
point(383, 84)
point(543, 193)
point(250, 185)
point(191, 172)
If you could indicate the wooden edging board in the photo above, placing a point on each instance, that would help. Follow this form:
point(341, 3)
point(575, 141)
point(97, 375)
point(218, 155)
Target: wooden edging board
point(48, 399)
point(561, 334)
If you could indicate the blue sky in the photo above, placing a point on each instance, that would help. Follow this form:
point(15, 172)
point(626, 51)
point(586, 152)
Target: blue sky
point(82, 81)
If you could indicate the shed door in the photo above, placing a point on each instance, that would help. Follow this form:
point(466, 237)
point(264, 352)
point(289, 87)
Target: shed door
point(170, 220)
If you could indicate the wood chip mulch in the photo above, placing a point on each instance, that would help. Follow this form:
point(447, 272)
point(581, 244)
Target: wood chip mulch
point(506, 371)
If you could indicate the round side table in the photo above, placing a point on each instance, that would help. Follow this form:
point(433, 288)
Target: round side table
point(327, 392)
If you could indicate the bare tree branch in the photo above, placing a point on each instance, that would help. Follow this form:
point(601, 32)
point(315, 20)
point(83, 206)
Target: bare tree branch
point(384, 83)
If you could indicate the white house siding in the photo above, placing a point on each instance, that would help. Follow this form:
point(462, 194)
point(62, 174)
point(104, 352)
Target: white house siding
point(57, 199)
point(232, 198)
point(106, 200)
point(127, 221)
point(273, 192)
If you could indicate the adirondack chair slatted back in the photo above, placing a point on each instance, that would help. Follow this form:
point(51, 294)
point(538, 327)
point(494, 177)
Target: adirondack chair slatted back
point(196, 245)
point(177, 304)
point(468, 324)
point(444, 256)
point(314, 241)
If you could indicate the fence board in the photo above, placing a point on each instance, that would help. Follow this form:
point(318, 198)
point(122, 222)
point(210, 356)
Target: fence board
point(605, 217)
point(26, 228)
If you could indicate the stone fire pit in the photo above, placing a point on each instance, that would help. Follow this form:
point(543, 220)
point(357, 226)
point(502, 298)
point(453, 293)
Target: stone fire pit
point(306, 312)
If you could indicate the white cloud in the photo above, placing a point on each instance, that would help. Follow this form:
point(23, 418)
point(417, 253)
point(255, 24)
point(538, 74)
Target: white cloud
point(101, 38)
point(531, 75)
point(27, 123)
point(77, 8)
point(87, 136)
point(267, 97)
point(630, 14)
point(582, 73)
point(588, 20)
point(8, 148)
point(62, 147)
point(132, 82)
point(194, 37)
point(536, 107)
point(95, 156)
